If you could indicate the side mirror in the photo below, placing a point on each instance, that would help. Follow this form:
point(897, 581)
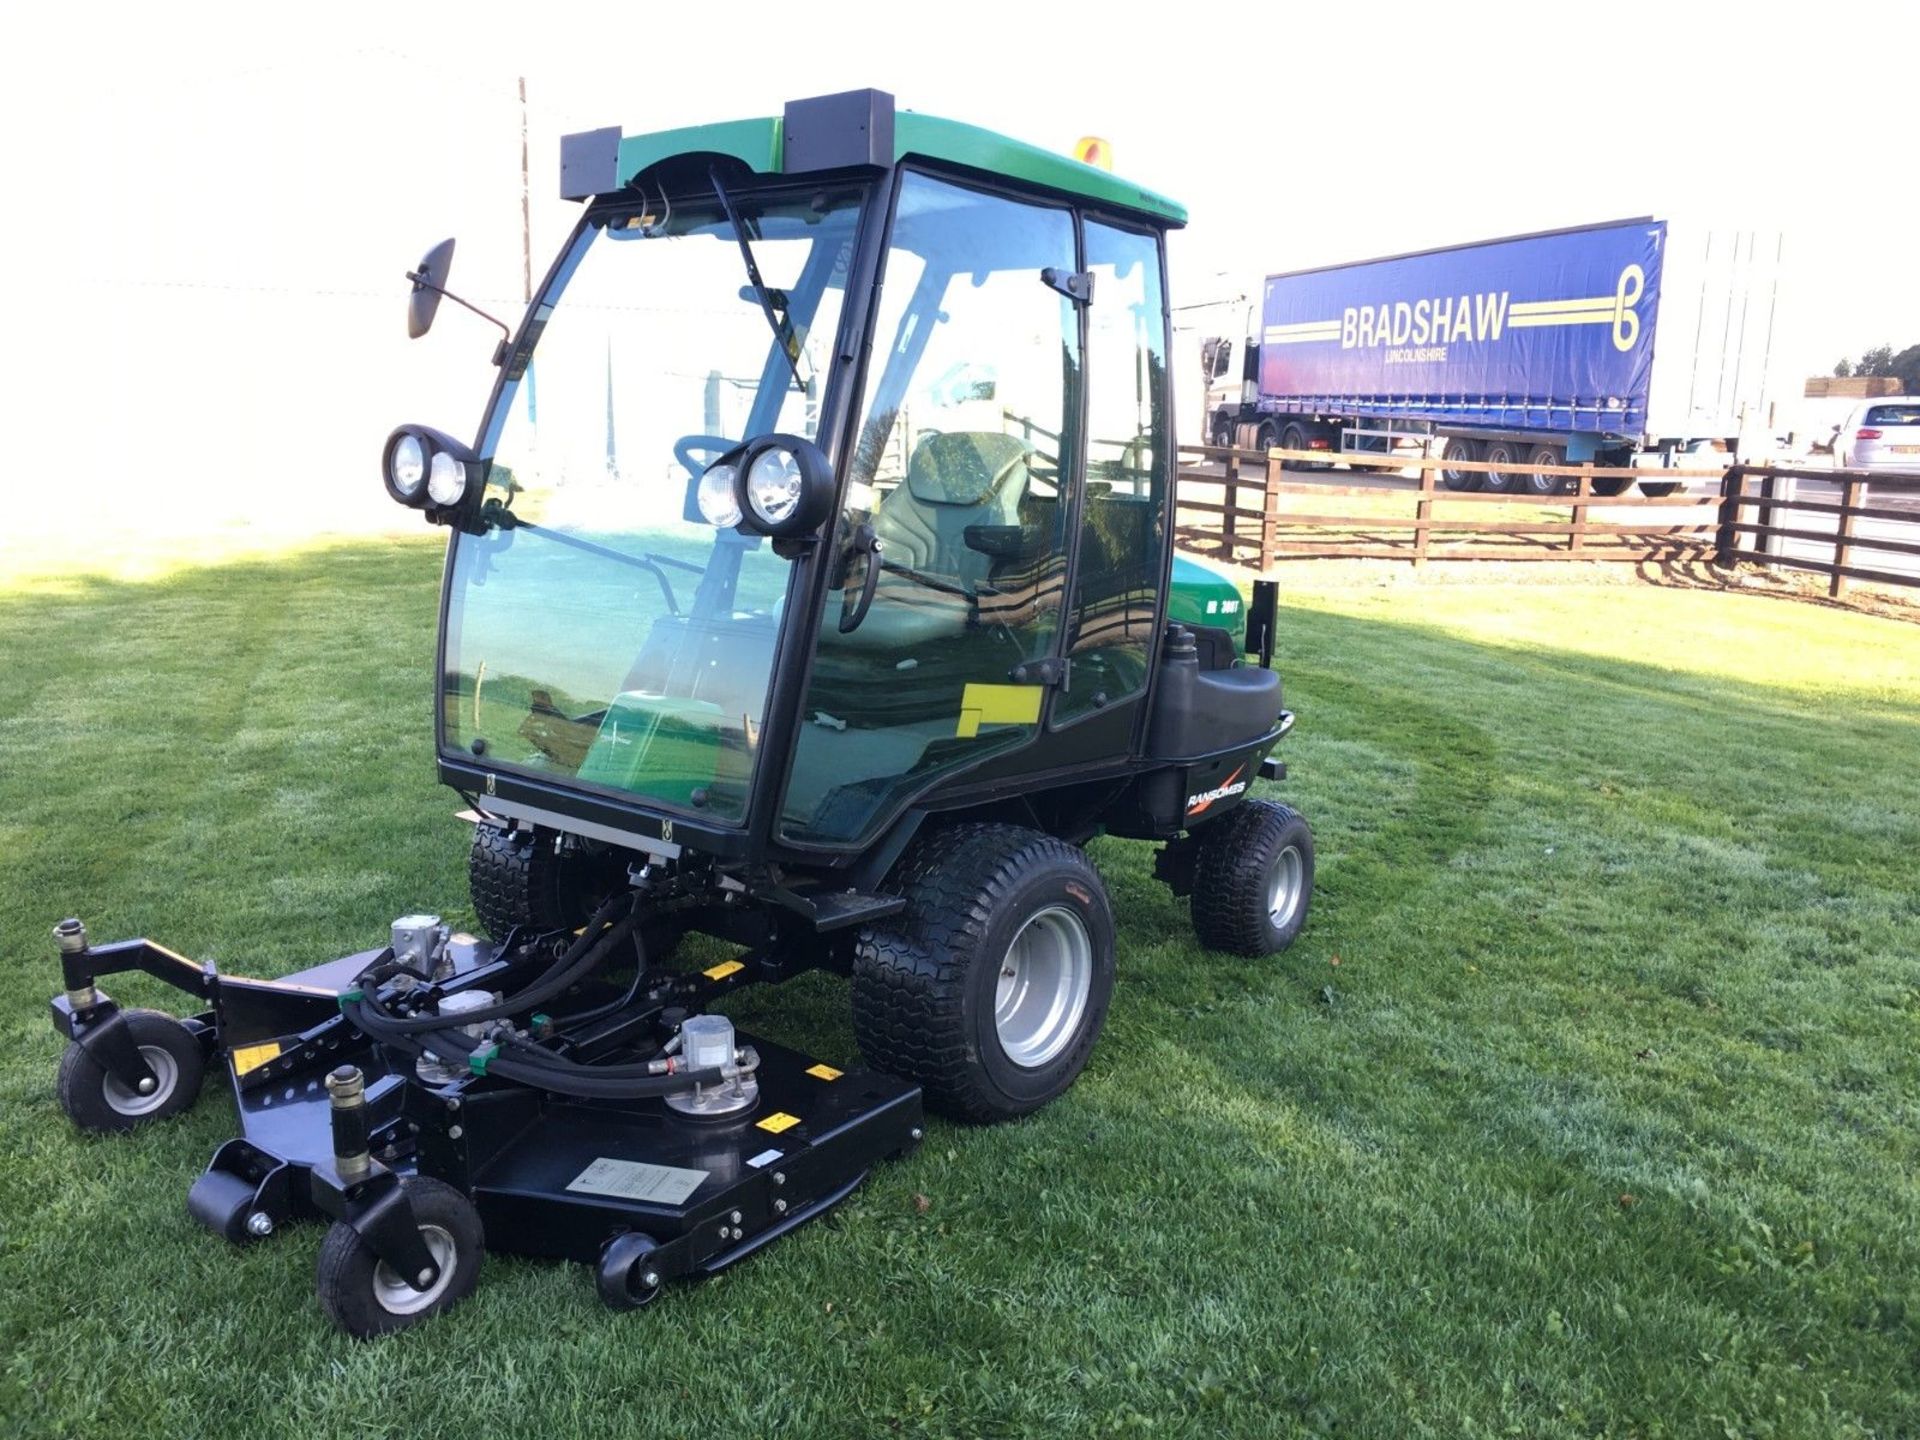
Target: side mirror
point(429, 281)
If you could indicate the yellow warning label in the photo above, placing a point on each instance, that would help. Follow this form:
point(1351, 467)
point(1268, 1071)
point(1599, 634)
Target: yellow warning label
point(252, 1057)
point(723, 969)
point(824, 1072)
point(997, 705)
point(779, 1121)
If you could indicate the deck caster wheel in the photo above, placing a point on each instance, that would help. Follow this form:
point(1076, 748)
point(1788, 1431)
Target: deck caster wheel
point(626, 1276)
point(96, 1099)
point(991, 987)
point(1253, 879)
point(365, 1296)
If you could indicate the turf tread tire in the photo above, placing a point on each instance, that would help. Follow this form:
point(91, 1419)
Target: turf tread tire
point(1232, 862)
point(912, 973)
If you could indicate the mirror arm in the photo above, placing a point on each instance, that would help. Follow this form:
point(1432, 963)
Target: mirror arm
point(419, 277)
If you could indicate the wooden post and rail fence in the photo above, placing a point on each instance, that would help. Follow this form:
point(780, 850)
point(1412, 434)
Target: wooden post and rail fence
point(1259, 508)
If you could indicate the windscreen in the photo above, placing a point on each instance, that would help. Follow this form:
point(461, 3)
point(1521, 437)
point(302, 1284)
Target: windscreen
point(599, 628)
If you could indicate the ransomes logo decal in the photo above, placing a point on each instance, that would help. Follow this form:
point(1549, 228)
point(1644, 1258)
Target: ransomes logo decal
point(1198, 803)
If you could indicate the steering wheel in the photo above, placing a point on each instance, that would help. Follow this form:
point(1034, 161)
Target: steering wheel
point(714, 445)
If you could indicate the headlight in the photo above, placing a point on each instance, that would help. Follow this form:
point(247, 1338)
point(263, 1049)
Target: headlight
point(406, 467)
point(718, 504)
point(446, 479)
point(773, 486)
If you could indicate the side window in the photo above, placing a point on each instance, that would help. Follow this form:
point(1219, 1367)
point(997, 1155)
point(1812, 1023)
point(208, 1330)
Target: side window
point(1125, 509)
point(973, 374)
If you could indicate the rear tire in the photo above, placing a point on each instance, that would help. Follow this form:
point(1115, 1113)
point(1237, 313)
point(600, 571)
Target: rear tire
point(1504, 453)
point(1253, 879)
point(1294, 437)
point(96, 1100)
point(991, 987)
point(1538, 484)
point(1459, 448)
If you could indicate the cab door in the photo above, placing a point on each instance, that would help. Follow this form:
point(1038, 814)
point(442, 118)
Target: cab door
point(955, 527)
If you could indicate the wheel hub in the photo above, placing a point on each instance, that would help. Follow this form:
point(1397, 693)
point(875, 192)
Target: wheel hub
point(127, 1100)
point(396, 1296)
point(1285, 885)
point(1043, 985)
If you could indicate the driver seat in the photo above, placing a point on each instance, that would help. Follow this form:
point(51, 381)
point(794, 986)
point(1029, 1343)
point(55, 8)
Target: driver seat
point(955, 480)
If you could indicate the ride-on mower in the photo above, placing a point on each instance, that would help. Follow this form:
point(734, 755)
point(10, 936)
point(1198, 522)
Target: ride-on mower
point(810, 585)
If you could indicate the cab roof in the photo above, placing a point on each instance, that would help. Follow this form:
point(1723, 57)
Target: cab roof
point(860, 127)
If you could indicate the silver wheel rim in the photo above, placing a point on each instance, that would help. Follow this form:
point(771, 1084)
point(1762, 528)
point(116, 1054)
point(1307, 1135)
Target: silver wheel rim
point(125, 1100)
point(396, 1296)
point(1043, 986)
point(1286, 883)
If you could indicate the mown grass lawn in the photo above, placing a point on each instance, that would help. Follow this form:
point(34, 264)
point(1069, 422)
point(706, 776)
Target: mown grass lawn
point(1587, 1105)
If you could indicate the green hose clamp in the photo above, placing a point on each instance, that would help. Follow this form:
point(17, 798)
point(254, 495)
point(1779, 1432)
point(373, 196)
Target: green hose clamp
point(348, 997)
point(478, 1060)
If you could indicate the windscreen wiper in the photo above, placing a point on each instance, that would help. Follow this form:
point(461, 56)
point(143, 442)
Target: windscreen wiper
point(783, 331)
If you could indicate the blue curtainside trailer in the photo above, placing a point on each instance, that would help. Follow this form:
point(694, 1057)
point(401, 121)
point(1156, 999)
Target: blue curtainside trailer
point(1600, 343)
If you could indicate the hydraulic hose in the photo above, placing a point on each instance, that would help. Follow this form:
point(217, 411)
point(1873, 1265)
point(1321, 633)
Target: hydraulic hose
point(515, 1058)
point(581, 958)
point(547, 1072)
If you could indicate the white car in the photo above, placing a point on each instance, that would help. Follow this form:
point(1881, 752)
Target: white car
point(1882, 434)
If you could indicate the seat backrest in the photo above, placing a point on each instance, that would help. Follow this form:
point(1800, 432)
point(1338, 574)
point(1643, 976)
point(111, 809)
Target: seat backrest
point(968, 477)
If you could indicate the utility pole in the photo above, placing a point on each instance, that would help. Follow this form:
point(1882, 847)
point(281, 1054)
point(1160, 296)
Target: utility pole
point(526, 212)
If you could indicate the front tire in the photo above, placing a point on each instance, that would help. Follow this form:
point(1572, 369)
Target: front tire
point(532, 878)
point(1253, 879)
point(95, 1099)
point(991, 987)
point(365, 1296)
point(1659, 489)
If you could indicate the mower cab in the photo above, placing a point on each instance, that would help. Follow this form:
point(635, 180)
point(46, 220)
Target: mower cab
point(811, 586)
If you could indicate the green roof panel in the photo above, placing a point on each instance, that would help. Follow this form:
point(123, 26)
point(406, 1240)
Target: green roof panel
point(757, 144)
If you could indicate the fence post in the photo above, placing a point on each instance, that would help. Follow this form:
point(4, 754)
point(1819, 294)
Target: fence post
point(1583, 492)
point(1423, 512)
point(1725, 539)
point(1842, 538)
point(1269, 515)
point(1231, 491)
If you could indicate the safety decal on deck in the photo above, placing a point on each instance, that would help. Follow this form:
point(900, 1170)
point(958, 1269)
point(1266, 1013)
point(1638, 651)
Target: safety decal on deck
point(635, 1180)
point(252, 1057)
point(723, 969)
point(778, 1121)
point(764, 1159)
point(823, 1072)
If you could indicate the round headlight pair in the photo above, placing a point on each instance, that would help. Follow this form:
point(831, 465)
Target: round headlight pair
point(425, 469)
point(778, 485)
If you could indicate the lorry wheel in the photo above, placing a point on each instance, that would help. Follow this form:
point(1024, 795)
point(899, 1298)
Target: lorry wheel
point(528, 877)
point(1295, 438)
point(1659, 489)
point(1463, 450)
point(365, 1296)
point(96, 1099)
point(1538, 484)
point(1506, 454)
point(990, 988)
point(1252, 879)
point(1611, 487)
